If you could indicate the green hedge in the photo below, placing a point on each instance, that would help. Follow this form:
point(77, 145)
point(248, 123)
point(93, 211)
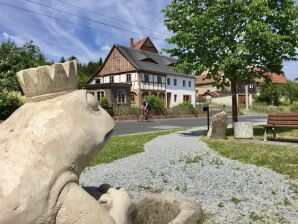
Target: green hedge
point(9, 102)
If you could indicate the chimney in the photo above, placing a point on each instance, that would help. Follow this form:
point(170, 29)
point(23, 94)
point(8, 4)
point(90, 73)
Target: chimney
point(132, 44)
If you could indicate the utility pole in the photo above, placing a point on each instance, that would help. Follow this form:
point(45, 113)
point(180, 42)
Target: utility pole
point(246, 98)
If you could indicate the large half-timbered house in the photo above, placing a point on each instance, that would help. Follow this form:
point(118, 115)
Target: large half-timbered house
point(147, 71)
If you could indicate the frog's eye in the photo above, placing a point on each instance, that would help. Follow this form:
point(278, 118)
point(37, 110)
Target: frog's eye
point(92, 101)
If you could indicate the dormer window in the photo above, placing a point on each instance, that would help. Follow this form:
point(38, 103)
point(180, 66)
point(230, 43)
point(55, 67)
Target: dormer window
point(111, 79)
point(171, 65)
point(97, 81)
point(149, 60)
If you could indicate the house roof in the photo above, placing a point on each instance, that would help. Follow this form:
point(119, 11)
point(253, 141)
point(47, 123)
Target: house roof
point(296, 80)
point(163, 63)
point(212, 94)
point(203, 80)
point(140, 43)
point(275, 78)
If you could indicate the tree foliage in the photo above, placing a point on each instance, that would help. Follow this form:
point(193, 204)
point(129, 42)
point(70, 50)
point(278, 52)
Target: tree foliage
point(270, 93)
point(85, 71)
point(275, 94)
point(14, 59)
point(291, 91)
point(233, 37)
point(9, 102)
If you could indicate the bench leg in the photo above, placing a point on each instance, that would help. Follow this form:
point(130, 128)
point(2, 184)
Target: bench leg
point(265, 135)
point(274, 133)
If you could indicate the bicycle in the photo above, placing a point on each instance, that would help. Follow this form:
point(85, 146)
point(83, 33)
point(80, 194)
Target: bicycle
point(141, 116)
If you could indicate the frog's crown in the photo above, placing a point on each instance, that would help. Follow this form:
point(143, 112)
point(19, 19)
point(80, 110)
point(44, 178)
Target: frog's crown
point(46, 82)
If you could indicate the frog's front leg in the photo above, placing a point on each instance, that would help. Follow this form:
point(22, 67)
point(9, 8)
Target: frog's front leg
point(78, 207)
point(117, 203)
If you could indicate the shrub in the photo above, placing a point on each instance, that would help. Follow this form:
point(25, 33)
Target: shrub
point(9, 102)
point(183, 108)
point(294, 107)
point(104, 103)
point(155, 101)
point(124, 109)
point(271, 94)
point(186, 105)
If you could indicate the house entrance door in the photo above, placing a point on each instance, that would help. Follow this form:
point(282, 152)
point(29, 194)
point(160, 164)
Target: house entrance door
point(168, 99)
point(241, 99)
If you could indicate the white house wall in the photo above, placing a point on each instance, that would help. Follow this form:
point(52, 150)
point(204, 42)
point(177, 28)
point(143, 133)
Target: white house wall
point(179, 90)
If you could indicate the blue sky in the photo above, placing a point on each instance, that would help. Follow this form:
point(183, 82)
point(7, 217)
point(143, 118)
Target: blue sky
point(57, 37)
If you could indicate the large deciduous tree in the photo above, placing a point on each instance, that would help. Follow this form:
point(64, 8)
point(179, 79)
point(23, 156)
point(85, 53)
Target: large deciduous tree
point(241, 39)
point(14, 59)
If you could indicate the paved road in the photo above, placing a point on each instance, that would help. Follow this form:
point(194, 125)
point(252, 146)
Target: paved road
point(129, 127)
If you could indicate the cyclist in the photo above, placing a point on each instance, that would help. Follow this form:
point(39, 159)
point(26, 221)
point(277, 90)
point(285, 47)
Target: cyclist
point(146, 108)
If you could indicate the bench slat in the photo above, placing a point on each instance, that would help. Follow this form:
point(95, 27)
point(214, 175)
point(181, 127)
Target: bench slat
point(279, 126)
point(283, 114)
point(283, 122)
point(283, 118)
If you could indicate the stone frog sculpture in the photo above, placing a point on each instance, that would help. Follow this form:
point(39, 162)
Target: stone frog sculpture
point(44, 147)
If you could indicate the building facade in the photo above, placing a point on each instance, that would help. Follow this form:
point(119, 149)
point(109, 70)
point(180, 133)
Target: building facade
point(205, 87)
point(148, 73)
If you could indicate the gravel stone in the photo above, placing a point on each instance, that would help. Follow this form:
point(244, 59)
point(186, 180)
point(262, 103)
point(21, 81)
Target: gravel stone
point(181, 165)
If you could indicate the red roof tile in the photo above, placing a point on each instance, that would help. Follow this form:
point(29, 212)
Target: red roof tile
point(276, 78)
point(139, 44)
point(202, 80)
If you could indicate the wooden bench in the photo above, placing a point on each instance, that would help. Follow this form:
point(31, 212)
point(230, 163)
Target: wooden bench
point(280, 120)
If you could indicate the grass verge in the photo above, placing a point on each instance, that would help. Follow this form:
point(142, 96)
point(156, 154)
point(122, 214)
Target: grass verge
point(125, 145)
point(280, 158)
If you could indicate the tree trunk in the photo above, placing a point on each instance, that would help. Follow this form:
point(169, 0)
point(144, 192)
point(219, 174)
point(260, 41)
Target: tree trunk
point(234, 101)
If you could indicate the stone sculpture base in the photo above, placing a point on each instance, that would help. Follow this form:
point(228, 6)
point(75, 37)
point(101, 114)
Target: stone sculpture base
point(243, 130)
point(165, 210)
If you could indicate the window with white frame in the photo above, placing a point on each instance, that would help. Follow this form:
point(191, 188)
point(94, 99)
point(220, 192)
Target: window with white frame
point(100, 95)
point(251, 86)
point(168, 81)
point(111, 79)
point(189, 83)
point(183, 83)
point(121, 96)
point(175, 82)
point(97, 81)
point(128, 78)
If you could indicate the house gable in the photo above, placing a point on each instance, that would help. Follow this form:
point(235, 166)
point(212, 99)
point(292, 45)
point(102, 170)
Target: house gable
point(146, 45)
point(116, 63)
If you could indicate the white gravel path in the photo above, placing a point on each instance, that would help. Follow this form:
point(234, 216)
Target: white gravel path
point(181, 164)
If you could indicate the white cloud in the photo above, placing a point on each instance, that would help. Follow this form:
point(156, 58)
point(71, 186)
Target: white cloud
point(15, 38)
point(56, 38)
point(105, 48)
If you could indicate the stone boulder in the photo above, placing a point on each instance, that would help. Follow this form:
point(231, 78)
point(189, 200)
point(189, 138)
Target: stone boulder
point(159, 209)
point(243, 130)
point(218, 127)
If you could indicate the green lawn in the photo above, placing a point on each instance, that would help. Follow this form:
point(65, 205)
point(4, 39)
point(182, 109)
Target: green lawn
point(282, 159)
point(125, 145)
